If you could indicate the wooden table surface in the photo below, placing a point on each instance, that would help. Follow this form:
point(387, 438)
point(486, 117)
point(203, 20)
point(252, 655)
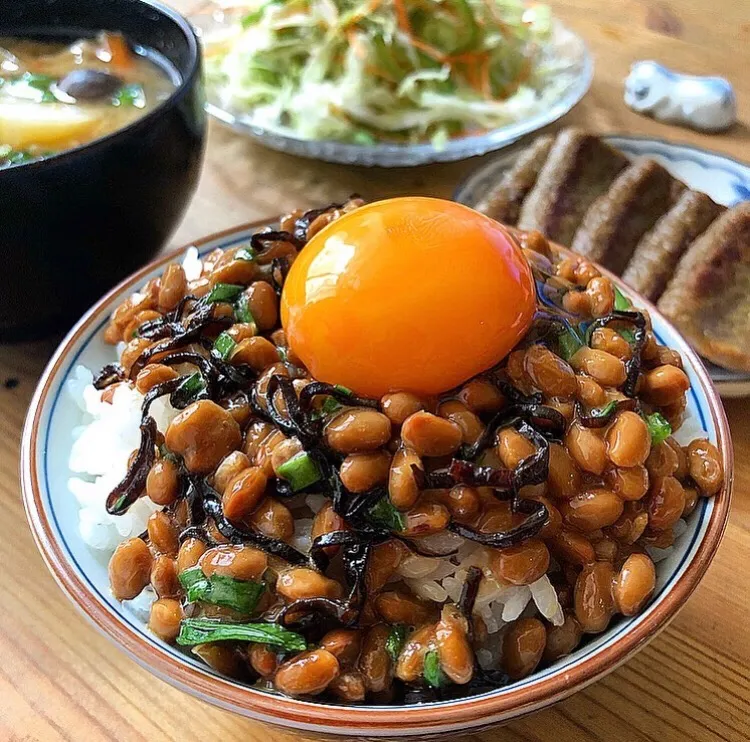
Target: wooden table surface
point(60, 680)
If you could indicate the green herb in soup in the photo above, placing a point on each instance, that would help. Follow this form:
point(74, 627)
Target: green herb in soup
point(55, 97)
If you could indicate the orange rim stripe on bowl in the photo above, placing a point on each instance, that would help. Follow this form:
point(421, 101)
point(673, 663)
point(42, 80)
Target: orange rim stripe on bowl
point(464, 714)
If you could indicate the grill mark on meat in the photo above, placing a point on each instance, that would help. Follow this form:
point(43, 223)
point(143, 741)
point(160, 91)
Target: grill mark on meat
point(504, 202)
point(658, 253)
point(616, 221)
point(580, 167)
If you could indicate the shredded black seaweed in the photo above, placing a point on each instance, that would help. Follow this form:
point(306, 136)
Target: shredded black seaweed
point(134, 482)
point(601, 420)
point(303, 223)
point(469, 592)
point(634, 363)
point(260, 240)
point(345, 397)
point(537, 518)
point(109, 374)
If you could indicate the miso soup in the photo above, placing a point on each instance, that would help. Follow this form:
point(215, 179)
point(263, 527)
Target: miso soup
point(56, 96)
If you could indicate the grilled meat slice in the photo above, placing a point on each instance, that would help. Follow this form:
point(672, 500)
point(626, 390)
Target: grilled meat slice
point(708, 299)
point(504, 202)
point(618, 219)
point(657, 254)
point(580, 167)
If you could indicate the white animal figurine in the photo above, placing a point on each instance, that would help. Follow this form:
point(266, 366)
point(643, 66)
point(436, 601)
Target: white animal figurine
point(703, 103)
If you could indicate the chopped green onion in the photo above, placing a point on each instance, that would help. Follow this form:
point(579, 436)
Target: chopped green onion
point(300, 471)
point(605, 411)
point(189, 391)
point(330, 406)
point(433, 675)
point(283, 353)
point(385, 514)
point(659, 428)
point(628, 335)
point(10, 156)
point(39, 82)
point(240, 595)
point(130, 96)
point(569, 343)
point(224, 346)
point(395, 641)
point(245, 253)
point(242, 310)
point(204, 630)
point(224, 292)
point(189, 577)
point(343, 389)
point(622, 303)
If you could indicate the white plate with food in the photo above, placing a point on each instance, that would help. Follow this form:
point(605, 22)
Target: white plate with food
point(389, 84)
point(622, 201)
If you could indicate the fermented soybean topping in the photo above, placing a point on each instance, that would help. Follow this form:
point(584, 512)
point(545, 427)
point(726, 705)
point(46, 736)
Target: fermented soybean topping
point(250, 444)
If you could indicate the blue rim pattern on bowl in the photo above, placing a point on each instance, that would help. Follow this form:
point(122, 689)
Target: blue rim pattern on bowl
point(52, 491)
point(723, 178)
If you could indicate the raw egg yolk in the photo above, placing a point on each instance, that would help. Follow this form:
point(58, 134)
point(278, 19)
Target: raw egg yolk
point(410, 294)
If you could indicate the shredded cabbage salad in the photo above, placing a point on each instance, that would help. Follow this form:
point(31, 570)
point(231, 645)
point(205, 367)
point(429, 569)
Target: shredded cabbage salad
point(368, 71)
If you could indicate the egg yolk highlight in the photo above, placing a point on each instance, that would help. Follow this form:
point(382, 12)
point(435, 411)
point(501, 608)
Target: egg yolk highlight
point(409, 294)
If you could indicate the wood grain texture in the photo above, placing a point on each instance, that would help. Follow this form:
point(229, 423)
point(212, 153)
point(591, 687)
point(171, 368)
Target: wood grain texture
point(60, 680)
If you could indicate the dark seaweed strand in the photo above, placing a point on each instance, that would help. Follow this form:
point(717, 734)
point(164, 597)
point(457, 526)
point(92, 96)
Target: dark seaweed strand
point(206, 366)
point(108, 375)
point(534, 469)
point(466, 472)
point(237, 535)
point(134, 482)
point(601, 421)
point(197, 321)
point(303, 223)
point(296, 422)
point(469, 592)
point(633, 364)
point(279, 269)
point(434, 480)
point(345, 398)
point(260, 240)
point(541, 416)
point(294, 613)
point(160, 390)
point(417, 548)
point(356, 548)
point(537, 517)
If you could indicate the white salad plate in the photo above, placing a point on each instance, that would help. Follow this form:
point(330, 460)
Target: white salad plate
point(566, 51)
point(725, 180)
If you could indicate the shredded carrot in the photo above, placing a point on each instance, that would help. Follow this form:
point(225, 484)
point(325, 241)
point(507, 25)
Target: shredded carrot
point(485, 83)
point(355, 43)
point(367, 10)
point(466, 57)
point(402, 16)
point(120, 55)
